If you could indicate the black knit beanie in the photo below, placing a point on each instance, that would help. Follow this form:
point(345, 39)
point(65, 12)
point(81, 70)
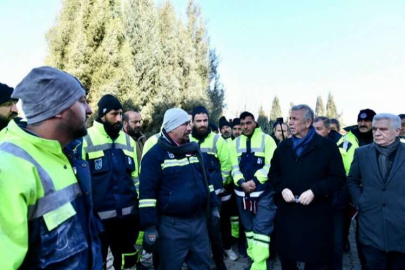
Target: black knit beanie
point(223, 122)
point(199, 110)
point(5, 93)
point(235, 122)
point(108, 103)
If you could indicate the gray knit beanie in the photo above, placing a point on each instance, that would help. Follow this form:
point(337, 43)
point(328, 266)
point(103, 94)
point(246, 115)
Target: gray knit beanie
point(46, 92)
point(174, 118)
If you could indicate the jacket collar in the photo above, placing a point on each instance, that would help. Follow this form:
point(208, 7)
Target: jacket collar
point(257, 132)
point(100, 128)
point(51, 146)
point(317, 141)
point(398, 162)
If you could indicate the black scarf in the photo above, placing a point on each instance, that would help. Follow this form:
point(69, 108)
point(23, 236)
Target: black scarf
point(384, 164)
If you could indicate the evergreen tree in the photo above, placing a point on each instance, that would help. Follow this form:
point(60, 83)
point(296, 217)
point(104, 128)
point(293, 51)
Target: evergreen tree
point(320, 107)
point(289, 111)
point(331, 109)
point(263, 121)
point(143, 54)
point(275, 110)
point(215, 89)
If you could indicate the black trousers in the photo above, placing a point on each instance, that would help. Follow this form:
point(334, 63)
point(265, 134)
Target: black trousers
point(120, 236)
point(226, 229)
point(376, 259)
point(338, 239)
point(215, 237)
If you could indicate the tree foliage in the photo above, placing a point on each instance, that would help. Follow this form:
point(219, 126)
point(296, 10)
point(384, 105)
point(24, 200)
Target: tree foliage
point(263, 121)
point(331, 109)
point(140, 52)
point(275, 110)
point(320, 107)
point(215, 90)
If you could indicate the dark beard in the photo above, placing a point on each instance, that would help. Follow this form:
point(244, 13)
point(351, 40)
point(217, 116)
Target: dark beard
point(200, 136)
point(112, 130)
point(131, 132)
point(3, 122)
point(80, 133)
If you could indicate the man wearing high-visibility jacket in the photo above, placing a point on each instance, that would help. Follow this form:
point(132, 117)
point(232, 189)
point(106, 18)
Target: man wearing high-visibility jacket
point(150, 142)
point(46, 211)
point(111, 154)
point(218, 164)
point(251, 154)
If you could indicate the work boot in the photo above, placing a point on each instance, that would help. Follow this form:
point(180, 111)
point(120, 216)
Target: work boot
point(231, 254)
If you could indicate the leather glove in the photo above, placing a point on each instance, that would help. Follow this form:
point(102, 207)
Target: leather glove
point(150, 238)
point(215, 218)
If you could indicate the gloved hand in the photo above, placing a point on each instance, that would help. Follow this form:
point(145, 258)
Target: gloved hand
point(215, 218)
point(150, 237)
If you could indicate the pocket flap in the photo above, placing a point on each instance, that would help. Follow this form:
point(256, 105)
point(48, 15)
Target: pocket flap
point(54, 218)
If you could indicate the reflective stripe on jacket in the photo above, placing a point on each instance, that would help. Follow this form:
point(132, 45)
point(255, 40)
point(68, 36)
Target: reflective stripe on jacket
point(347, 144)
point(114, 170)
point(41, 205)
point(217, 160)
point(171, 185)
point(250, 159)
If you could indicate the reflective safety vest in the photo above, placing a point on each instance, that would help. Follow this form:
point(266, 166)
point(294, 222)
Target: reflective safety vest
point(40, 202)
point(150, 143)
point(114, 170)
point(347, 145)
point(250, 159)
point(217, 161)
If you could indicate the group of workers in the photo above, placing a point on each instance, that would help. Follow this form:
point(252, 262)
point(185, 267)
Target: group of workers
point(69, 193)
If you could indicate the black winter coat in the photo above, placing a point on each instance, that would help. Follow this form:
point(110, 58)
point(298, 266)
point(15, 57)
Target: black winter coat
point(304, 233)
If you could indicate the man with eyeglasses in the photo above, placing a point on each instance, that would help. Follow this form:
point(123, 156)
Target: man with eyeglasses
point(176, 197)
point(8, 108)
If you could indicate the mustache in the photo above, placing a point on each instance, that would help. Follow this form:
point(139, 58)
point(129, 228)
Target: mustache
point(363, 127)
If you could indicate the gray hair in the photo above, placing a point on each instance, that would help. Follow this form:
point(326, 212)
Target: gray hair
point(395, 121)
point(325, 120)
point(309, 113)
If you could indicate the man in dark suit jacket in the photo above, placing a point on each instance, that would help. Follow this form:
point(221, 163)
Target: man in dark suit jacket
point(377, 185)
point(305, 170)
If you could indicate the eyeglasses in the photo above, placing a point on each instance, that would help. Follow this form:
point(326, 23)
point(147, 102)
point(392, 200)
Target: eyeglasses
point(8, 103)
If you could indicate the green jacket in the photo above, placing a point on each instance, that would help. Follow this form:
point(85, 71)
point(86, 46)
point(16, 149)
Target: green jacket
point(250, 159)
point(217, 158)
point(347, 145)
point(38, 202)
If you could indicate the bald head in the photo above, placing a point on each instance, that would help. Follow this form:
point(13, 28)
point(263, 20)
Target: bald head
point(132, 123)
